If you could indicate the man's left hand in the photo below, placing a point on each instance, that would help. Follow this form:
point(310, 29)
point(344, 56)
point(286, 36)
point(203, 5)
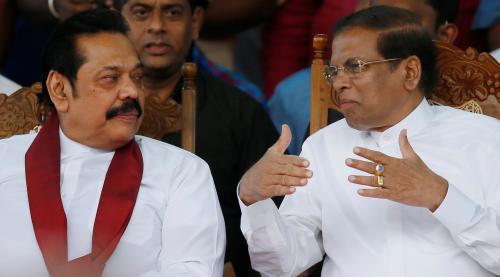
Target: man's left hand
point(407, 180)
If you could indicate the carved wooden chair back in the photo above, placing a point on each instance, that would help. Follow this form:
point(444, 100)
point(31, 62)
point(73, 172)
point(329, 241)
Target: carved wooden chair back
point(20, 112)
point(466, 80)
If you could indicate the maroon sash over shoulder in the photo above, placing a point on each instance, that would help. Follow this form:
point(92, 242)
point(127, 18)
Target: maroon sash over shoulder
point(118, 196)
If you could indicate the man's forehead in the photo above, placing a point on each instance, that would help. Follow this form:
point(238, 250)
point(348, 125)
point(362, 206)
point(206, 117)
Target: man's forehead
point(110, 50)
point(354, 42)
point(153, 3)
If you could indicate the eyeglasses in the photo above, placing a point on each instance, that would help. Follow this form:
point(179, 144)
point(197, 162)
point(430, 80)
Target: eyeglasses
point(351, 67)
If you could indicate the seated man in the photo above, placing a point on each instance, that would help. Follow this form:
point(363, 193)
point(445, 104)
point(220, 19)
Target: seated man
point(232, 130)
point(291, 102)
point(430, 210)
point(85, 197)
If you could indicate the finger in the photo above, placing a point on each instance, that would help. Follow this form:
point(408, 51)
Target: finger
point(374, 193)
point(374, 156)
point(282, 190)
point(286, 181)
point(365, 166)
point(295, 160)
point(364, 180)
point(291, 170)
point(283, 141)
point(405, 146)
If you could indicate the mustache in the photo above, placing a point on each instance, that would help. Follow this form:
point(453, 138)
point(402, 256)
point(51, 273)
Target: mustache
point(126, 107)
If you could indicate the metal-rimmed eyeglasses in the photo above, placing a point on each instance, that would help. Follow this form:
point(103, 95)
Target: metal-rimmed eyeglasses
point(351, 66)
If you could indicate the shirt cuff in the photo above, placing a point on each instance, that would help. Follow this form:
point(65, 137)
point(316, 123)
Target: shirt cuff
point(456, 211)
point(259, 214)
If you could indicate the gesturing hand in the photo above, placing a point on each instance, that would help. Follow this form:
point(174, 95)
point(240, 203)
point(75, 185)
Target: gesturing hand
point(275, 173)
point(407, 180)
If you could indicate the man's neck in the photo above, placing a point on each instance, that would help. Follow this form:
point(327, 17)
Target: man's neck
point(161, 84)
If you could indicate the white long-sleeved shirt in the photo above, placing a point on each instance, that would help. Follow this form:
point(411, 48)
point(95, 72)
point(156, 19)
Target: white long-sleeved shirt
point(7, 86)
point(376, 237)
point(176, 228)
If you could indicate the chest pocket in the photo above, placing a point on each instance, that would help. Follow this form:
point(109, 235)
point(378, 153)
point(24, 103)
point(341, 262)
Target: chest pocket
point(142, 223)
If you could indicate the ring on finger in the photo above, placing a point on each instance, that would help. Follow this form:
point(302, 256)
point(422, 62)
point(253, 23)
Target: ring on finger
point(379, 169)
point(380, 180)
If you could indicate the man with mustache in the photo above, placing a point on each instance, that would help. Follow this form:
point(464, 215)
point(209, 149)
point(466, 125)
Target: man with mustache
point(400, 188)
point(85, 196)
point(232, 130)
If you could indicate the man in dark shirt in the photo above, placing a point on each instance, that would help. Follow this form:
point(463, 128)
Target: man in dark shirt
point(233, 130)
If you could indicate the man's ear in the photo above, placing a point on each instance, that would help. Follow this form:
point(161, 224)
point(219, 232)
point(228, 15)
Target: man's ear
point(447, 32)
point(412, 72)
point(59, 88)
point(197, 21)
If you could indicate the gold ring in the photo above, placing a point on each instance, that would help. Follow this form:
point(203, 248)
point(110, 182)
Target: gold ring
point(380, 180)
point(379, 169)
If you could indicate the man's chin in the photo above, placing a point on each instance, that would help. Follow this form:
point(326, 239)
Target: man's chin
point(121, 140)
point(157, 62)
point(355, 124)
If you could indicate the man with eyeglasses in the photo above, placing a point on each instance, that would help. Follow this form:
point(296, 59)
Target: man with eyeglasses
point(290, 103)
point(422, 202)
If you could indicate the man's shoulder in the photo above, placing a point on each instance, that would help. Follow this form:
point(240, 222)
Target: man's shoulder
point(155, 150)
point(17, 142)
point(215, 87)
point(466, 122)
point(15, 148)
point(229, 101)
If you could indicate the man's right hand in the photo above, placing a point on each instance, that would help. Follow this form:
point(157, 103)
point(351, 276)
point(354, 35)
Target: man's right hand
point(275, 174)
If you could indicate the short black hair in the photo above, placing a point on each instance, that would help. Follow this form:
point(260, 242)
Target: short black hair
point(61, 52)
point(446, 10)
point(400, 36)
point(118, 4)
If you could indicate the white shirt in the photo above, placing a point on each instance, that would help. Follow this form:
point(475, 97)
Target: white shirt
point(377, 237)
point(176, 228)
point(7, 86)
point(496, 54)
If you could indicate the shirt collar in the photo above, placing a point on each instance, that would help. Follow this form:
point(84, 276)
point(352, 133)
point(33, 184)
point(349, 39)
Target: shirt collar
point(413, 123)
point(71, 148)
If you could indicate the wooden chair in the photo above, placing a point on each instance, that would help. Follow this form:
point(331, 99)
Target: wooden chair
point(467, 80)
point(20, 112)
point(189, 71)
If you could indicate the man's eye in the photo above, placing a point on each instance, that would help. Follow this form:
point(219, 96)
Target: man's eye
point(110, 78)
point(137, 77)
point(139, 13)
point(174, 12)
point(353, 66)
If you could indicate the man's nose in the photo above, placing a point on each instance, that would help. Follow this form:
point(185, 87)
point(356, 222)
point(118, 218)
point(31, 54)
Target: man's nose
point(341, 81)
point(156, 24)
point(130, 90)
